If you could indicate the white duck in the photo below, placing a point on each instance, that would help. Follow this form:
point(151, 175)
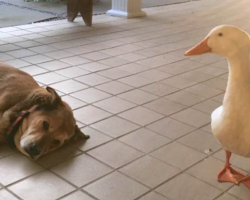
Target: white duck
point(231, 122)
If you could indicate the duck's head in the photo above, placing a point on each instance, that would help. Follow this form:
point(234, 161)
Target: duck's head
point(224, 40)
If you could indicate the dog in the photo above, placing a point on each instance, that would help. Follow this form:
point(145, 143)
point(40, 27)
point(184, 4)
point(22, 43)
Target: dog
point(33, 119)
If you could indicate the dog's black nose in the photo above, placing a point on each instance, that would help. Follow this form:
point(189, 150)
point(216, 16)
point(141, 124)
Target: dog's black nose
point(33, 149)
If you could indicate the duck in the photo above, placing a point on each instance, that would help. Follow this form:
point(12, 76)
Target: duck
point(230, 122)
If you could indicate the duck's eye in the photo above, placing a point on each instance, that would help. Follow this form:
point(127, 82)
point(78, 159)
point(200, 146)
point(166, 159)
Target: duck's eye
point(220, 34)
point(45, 125)
point(56, 142)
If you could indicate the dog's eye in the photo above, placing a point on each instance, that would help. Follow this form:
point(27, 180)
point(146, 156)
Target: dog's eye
point(56, 142)
point(45, 125)
point(220, 34)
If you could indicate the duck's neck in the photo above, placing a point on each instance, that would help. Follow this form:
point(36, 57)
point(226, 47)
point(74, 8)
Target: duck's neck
point(239, 68)
point(239, 76)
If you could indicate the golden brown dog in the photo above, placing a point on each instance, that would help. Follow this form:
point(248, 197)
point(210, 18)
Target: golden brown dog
point(45, 129)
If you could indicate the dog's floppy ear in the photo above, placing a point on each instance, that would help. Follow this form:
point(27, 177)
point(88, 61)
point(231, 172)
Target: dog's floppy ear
point(56, 99)
point(80, 134)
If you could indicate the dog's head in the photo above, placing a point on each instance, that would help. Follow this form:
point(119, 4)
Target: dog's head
point(47, 128)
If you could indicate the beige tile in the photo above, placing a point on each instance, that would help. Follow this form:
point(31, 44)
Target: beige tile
point(160, 89)
point(170, 128)
point(75, 60)
point(180, 67)
point(73, 103)
point(185, 98)
point(28, 43)
point(219, 98)
point(17, 63)
point(204, 142)
point(97, 46)
point(94, 67)
point(214, 71)
point(72, 170)
point(138, 97)
point(153, 196)
point(93, 79)
point(49, 78)
point(207, 106)
point(178, 155)
point(132, 57)
point(5, 57)
point(69, 86)
point(222, 64)
point(179, 82)
point(79, 50)
point(240, 191)
point(136, 81)
point(227, 197)
point(204, 90)
point(113, 51)
point(154, 75)
point(58, 156)
point(8, 47)
point(114, 87)
point(37, 59)
point(141, 116)
point(114, 73)
point(130, 47)
point(164, 106)
point(16, 167)
point(196, 76)
point(114, 62)
point(90, 114)
point(4, 195)
point(152, 63)
point(192, 117)
point(48, 186)
point(54, 65)
point(21, 53)
point(95, 56)
point(115, 126)
point(42, 49)
point(207, 58)
point(218, 83)
point(34, 70)
point(78, 195)
point(114, 105)
point(207, 171)
point(149, 171)
point(225, 76)
point(144, 140)
point(133, 68)
point(90, 95)
point(72, 72)
point(113, 43)
point(58, 54)
point(116, 186)
point(97, 139)
point(115, 154)
point(186, 187)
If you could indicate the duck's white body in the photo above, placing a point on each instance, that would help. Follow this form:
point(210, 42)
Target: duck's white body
point(231, 122)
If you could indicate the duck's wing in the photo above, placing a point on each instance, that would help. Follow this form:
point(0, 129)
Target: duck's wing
point(216, 113)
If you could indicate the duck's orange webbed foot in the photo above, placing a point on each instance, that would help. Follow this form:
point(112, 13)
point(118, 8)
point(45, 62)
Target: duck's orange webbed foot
point(228, 174)
point(246, 181)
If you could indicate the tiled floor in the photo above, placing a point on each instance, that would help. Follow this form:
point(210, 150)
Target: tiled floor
point(146, 106)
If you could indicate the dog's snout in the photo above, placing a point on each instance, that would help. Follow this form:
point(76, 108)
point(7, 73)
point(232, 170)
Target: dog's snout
point(33, 149)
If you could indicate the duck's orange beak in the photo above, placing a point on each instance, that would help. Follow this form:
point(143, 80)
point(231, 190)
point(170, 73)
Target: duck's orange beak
point(200, 48)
